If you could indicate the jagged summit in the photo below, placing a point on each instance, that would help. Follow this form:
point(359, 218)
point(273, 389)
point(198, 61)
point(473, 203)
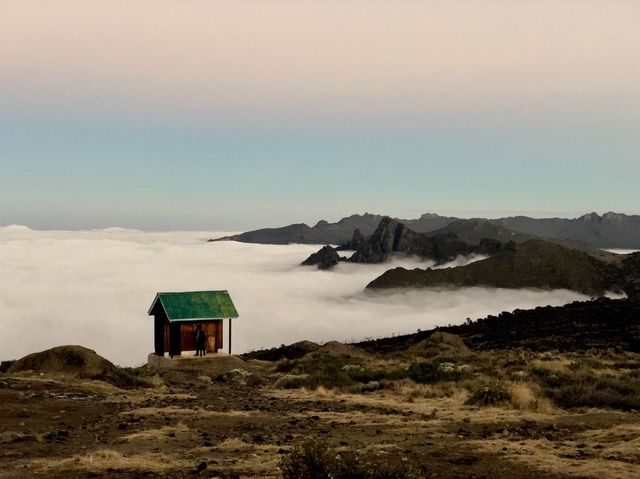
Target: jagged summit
point(394, 237)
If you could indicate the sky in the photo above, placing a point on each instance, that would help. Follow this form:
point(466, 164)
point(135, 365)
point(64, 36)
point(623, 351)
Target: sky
point(94, 288)
point(237, 114)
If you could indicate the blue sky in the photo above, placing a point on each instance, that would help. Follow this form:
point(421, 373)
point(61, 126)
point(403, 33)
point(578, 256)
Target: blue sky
point(112, 123)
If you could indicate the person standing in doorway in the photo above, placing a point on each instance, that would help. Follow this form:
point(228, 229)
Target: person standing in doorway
point(201, 341)
point(196, 338)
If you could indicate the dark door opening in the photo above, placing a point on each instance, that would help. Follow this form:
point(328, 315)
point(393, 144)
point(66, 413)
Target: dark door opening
point(174, 339)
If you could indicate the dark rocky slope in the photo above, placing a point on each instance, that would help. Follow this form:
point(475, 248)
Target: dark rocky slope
point(611, 230)
point(532, 264)
point(603, 323)
point(474, 230)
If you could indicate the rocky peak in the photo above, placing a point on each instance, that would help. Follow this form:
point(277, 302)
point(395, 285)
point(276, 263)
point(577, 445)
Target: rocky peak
point(611, 217)
point(590, 217)
point(356, 241)
point(429, 216)
point(326, 258)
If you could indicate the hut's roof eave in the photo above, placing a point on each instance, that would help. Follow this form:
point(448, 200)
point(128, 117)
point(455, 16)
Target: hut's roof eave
point(196, 305)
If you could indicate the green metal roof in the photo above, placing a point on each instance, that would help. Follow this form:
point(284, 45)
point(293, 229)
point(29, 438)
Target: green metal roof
point(194, 305)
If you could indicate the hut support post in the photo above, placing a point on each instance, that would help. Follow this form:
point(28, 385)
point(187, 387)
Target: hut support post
point(229, 336)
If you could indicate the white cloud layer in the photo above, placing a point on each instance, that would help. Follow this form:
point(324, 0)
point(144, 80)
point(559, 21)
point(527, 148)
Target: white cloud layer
point(622, 251)
point(94, 287)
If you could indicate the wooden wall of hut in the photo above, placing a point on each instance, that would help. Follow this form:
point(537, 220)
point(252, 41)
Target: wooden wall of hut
point(163, 330)
point(214, 335)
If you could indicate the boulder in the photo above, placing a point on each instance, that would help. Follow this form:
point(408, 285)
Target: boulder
point(237, 375)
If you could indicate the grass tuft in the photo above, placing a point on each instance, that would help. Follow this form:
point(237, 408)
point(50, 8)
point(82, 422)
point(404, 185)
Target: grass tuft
point(493, 393)
point(434, 371)
point(315, 459)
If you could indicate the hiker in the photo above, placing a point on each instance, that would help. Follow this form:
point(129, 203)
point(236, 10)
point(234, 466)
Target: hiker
point(201, 341)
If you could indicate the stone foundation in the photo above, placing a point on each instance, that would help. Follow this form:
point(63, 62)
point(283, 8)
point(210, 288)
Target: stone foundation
point(187, 357)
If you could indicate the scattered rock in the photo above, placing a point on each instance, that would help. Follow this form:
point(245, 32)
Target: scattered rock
point(238, 375)
point(12, 437)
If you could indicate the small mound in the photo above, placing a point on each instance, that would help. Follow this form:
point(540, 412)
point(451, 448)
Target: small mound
point(439, 343)
point(76, 361)
point(293, 351)
point(336, 349)
point(307, 346)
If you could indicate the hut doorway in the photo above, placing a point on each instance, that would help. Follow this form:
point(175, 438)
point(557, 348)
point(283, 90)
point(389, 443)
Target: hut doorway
point(175, 346)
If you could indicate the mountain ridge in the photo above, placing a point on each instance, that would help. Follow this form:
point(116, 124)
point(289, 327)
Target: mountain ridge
point(532, 264)
point(609, 230)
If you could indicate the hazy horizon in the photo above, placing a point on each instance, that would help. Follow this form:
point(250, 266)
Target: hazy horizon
point(312, 222)
point(174, 115)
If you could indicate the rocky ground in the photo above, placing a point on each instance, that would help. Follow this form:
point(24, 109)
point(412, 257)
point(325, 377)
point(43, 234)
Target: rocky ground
point(227, 417)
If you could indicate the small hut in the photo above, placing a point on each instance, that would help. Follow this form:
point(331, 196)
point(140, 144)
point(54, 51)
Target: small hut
point(176, 316)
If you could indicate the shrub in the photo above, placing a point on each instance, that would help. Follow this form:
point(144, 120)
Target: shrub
point(585, 363)
point(539, 372)
point(489, 394)
point(583, 389)
point(626, 364)
point(5, 365)
point(338, 373)
point(315, 459)
point(285, 366)
point(433, 371)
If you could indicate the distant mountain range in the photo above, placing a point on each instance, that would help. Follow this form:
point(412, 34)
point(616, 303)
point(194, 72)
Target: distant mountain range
point(550, 253)
point(610, 230)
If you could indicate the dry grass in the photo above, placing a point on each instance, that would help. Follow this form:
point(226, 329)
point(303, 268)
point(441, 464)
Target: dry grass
point(104, 459)
point(410, 391)
point(524, 396)
point(619, 442)
point(386, 420)
point(234, 444)
point(173, 410)
point(557, 364)
point(160, 434)
point(320, 392)
point(564, 458)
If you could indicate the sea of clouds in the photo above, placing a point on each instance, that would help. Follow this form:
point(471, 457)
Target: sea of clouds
point(93, 288)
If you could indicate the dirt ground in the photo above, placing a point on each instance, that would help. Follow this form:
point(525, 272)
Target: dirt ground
point(190, 425)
